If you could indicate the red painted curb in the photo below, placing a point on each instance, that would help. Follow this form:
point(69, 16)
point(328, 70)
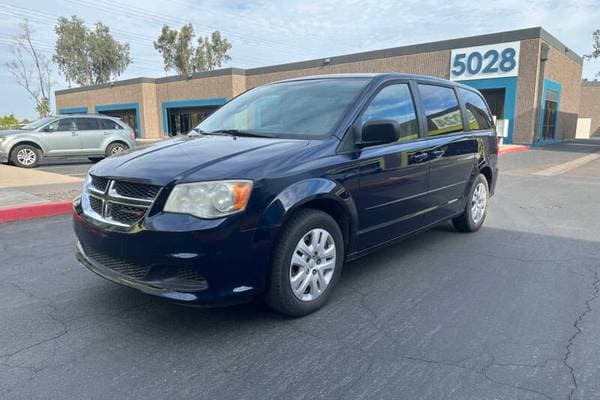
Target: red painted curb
point(517, 149)
point(32, 211)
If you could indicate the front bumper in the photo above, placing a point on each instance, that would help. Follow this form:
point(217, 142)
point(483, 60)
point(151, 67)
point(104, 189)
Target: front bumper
point(3, 156)
point(226, 264)
point(157, 288)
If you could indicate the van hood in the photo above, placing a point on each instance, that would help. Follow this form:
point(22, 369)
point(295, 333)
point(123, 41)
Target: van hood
point(205, 157)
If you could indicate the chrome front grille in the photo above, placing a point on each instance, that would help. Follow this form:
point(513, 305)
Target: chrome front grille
point(100, 183)
point(118, 202)
point(136, 190)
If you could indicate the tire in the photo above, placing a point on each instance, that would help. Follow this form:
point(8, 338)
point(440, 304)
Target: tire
point(26, 156)
point(115, 148)
point(304, 224)
point(95, 159)
point(476, 208)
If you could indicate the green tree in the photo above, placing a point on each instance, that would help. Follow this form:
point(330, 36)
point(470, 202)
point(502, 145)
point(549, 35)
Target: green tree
point(180, 55)
point(596, 47)
point(88, 56)
point(31, 69)
point(8, 121)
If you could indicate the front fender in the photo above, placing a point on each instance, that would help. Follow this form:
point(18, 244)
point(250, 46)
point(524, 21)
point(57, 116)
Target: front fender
point(303, 192)
point(27, 139)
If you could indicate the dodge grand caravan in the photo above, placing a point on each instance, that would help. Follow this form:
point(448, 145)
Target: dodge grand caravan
point(273, 192)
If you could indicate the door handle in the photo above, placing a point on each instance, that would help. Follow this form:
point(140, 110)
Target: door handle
point(74, 134)
point(438, 153)
point(420, 157)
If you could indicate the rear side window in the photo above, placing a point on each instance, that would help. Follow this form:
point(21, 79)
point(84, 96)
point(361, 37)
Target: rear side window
point(441, 109)
point(109, 124)
point(88, 124)
point(396, 103)
point(477, 111)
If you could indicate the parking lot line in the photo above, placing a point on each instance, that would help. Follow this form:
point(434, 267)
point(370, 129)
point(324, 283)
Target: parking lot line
point(568, 166)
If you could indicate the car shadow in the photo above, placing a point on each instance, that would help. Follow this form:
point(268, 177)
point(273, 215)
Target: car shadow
point(573, 146)
point(172, 317)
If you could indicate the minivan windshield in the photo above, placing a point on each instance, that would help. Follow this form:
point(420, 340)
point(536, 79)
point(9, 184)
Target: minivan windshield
point(37, 123)
point(295, 109)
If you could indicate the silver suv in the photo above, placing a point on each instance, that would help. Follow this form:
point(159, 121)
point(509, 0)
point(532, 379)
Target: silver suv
point(92, 136)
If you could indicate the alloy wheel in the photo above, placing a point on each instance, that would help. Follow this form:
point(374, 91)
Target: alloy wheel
point(478, 203)
point(117, 150)
point(26, 157)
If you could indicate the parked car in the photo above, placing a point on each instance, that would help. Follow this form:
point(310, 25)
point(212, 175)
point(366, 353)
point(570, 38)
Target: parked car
point(92, 136)
point(283, 184)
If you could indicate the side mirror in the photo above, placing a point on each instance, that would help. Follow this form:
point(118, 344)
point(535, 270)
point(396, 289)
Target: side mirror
point(379, 131)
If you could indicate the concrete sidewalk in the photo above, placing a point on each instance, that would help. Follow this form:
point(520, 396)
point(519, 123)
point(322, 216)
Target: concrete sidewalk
point(20, 186)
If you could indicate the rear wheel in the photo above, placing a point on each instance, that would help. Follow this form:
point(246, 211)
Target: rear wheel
point(115, 148)
point(26, 156)
point(476, 209)
point(306, 263)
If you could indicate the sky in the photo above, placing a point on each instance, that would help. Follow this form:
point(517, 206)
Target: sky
point(274, 32)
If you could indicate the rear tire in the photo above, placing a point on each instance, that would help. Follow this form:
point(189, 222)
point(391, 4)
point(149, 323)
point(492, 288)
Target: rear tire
point(26, 156)
point(115, 148)
point(476, 208)
point(306, 263)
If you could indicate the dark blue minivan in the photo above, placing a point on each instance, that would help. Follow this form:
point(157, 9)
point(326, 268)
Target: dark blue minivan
point(273, 192)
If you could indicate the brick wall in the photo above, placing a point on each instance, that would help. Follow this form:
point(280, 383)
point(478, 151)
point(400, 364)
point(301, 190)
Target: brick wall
point(108, 95)
point(589, 105)
point(567, 73)
point(151, 94)
point(434, 63)
point(527, 89)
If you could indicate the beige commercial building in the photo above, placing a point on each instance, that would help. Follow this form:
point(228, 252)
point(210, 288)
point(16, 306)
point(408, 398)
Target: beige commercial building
point(531, 80)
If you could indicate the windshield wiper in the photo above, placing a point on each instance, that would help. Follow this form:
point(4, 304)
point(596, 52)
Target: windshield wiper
point(237, 132)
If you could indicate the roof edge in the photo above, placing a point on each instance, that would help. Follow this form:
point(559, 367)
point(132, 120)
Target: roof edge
point(173, 78)
point(557, 44)
point(585, 82)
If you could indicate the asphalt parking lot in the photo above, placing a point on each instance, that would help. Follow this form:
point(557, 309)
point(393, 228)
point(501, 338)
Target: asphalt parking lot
point(509, 312)
point(67, 166)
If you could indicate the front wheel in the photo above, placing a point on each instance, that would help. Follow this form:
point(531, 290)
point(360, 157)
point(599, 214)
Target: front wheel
point(26, 156)
point(306, 263)
point(476, 209)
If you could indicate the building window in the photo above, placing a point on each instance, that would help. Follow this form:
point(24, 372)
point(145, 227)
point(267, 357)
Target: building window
point(181, 120)
point(550, 117)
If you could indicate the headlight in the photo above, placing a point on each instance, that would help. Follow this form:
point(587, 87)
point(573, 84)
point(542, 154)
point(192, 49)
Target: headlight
point(86, 182)
point(209, 199)
point(2, 139)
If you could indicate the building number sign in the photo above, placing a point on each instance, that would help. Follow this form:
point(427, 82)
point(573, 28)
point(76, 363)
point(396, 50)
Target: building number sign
point(481, 62)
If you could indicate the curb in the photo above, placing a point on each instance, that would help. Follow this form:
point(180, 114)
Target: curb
point(514, 149)
point(32, 211)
